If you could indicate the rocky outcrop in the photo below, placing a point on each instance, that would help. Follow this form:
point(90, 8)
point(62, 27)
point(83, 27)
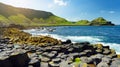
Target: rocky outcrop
point(52, 53)
point(17, 36)
point(65, 55)
point(12, 57)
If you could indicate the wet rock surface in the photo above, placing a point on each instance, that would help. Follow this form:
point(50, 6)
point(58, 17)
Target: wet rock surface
point(48, 52)
point(57, 56)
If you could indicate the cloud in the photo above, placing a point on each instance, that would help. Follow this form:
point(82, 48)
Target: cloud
point(111, 12)
point(104, 11)
point(50, 5)
point(60, 2)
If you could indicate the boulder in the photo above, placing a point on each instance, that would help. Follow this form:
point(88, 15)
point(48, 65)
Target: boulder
point(15, 60)
point(102, 64)
point(67, 42)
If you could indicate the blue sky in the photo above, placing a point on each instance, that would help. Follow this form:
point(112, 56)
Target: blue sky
point(74, 10)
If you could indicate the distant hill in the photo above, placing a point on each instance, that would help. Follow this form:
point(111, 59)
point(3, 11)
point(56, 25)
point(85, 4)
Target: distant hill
point(23, 17)
point(10, 15)
point(100, 21)
point(7, 10)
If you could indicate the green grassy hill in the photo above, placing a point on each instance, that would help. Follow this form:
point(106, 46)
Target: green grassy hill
point(100, 21)
point(12, 16)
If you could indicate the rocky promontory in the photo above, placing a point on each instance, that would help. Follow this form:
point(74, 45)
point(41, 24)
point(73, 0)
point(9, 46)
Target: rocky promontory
point(20, 51)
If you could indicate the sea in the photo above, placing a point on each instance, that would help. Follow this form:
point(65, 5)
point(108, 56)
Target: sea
point(106, 35)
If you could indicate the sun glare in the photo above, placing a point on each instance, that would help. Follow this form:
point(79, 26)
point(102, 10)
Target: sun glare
point(19, 3)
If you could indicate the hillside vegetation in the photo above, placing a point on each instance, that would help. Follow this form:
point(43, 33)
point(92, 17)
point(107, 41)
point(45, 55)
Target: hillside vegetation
point(14, 17)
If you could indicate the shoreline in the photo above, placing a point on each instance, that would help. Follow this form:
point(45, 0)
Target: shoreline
point(50, 53)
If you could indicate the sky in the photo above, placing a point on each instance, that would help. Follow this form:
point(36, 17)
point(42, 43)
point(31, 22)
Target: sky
point(74, 10)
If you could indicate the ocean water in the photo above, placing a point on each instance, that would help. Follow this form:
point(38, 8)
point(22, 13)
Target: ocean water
point(107, 35)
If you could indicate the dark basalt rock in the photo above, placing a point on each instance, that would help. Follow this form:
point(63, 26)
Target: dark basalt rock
point(102, 64)
point(56, 60)
point(15, 60)
point(67, 42)
point(45, 59)
point(86, 60)
point(43, 64)
point(34, 62)
point(51, 64)
point(106, 51)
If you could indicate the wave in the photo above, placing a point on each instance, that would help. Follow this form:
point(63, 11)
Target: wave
point(72, 38)
point(114, 46)
point(91, 39)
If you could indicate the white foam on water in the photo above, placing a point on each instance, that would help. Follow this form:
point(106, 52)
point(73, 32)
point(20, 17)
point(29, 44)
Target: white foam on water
point(114, 46)
point(91, 39)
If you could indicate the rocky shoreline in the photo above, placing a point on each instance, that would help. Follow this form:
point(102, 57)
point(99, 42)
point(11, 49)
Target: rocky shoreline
point(16, 53)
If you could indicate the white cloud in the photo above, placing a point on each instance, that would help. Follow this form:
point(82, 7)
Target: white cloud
point(105, 11)
point(60, 2)
point(50, 5)
point(111, 12)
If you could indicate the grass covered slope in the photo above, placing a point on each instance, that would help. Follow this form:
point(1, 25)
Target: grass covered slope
point(13, 16)
point(27, 17)
point(100, 21)
point(82, 22)
point(7, 10)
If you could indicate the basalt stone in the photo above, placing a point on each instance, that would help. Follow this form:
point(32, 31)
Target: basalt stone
point(96, 61)
point(63, 56)
point(5, 62)
point(87, 47)
point(106, 60)
point(84, 43)
point(102, 64)
point(106, 52)
point(99, 51)
point(106, 47)
point(19, 60)
point(56, 60)
point(86, 60)
point(52, 64)
point(51, 55)
point(32, 55)
point(45, 59)
point(99, 56)
point(59, 55)
point(82, 54)
point(10, 46)
point(113, 55)
point(70, 50)
point(115, 63)
point(67, 42)
point(5, 40)
point(89, 53)
point(43, 64)
point(83, 65)
point(34, 62)
point(74, 55)
point(65, 64)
